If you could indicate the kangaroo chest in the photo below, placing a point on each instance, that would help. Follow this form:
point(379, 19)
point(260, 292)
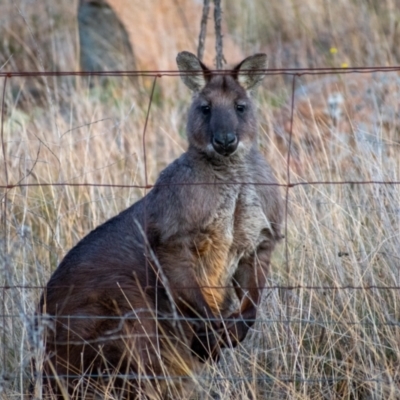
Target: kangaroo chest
point(234, 230)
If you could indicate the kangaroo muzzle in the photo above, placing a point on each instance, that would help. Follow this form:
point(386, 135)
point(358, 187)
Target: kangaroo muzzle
point(225, 143)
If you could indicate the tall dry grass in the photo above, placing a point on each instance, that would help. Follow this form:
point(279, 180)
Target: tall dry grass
point(320, 343)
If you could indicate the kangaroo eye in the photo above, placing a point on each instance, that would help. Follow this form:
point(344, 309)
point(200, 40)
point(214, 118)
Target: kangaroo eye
point(240, 108)
point(205, 109)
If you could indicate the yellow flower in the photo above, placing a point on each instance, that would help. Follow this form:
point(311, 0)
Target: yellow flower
point(344, 65)
point(333, 50)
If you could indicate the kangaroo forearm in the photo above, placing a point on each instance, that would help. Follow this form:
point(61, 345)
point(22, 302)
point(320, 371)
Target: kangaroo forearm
point(249, 282)
point(250, 278)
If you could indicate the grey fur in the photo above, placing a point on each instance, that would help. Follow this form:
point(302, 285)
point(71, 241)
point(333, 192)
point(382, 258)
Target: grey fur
point(211, 221)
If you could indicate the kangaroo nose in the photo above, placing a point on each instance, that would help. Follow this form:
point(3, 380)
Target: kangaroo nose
point(230, 138)
point(225, 140)
point(225, 144)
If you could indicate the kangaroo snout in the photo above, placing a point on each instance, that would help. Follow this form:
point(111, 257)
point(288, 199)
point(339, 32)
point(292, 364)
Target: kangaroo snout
point(225, 143)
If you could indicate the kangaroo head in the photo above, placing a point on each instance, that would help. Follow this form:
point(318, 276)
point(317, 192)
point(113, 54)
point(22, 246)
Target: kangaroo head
point(221, 120)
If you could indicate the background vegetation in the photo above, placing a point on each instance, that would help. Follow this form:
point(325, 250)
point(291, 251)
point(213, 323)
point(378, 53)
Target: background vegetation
point(319, 343)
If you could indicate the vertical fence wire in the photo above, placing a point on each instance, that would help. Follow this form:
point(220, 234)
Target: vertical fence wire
point(289, 346)
point(4, 222)
point(3, 147)
point(146, 182)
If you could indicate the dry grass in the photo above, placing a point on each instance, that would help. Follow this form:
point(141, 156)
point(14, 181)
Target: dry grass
point(307, 344)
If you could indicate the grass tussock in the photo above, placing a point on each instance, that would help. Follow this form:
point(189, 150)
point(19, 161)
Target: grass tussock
point(328, 327)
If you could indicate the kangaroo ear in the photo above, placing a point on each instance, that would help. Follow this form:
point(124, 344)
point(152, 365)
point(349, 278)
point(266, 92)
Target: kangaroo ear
point(193, 70)
point(249, 72)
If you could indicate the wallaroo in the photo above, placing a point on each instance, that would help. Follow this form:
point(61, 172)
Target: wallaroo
point(141, 303)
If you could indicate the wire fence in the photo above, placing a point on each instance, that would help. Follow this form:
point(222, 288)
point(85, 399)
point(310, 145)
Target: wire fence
point(289, 318)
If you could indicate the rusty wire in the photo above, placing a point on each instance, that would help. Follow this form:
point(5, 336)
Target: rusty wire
point(161, 73)
point(294, 73)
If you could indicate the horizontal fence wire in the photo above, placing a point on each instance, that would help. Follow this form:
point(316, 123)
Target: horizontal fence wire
point(280, 287)
point(285, 185)
point(288, 319)
point(214, 379)
point(161, 73)
point(296, 321)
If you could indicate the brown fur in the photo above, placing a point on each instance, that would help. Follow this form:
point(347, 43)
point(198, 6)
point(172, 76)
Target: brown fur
point(146, 293)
